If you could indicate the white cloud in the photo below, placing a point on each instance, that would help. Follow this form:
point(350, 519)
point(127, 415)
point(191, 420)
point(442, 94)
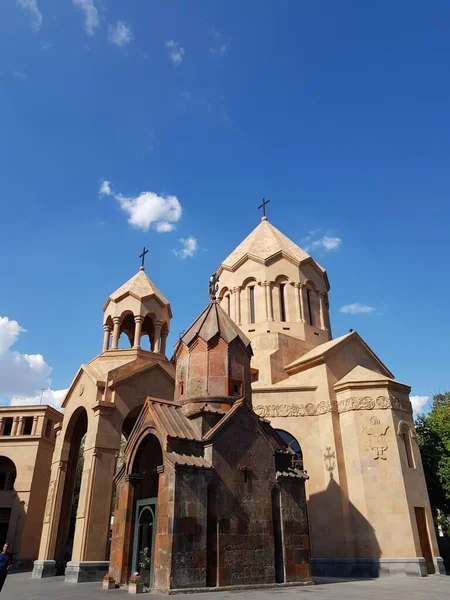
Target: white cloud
point(326, 243)
point(51, 397)
point(91, 16)
point(221, 45)
point(18, 74)
point(35, 14)
point(419, 403)
point(356, 309)
point(176, 51)
point(21, 375)
point(120, 34)
point(188, 247)
point(151, 209)
point(147, 209)
point(105, 188)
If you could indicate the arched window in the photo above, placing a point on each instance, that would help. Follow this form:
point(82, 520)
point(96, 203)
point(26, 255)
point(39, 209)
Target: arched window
point(294, 446)
point(282, 301)
point(228, 304)
point(312, 304)
point(251, 300)
point(405, 434)
point(7, 473)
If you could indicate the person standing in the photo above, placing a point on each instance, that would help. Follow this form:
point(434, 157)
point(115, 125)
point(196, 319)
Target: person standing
point(6, 560)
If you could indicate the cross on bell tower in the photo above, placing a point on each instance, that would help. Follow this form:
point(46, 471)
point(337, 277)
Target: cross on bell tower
point(144, 252)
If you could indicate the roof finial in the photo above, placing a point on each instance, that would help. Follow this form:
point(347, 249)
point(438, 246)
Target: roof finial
point(263, 206)
point(144, 252)
point(213, 286)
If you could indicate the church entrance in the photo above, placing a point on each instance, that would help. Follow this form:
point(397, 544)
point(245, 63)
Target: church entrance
point(147, 463)
point(144, 540)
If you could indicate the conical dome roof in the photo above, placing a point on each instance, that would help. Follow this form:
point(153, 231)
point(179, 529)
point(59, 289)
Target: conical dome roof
point(214, 320)
point(264, 242)
point(140, 286)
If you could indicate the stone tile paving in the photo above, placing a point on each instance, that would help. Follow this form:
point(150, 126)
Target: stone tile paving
point(20, 586)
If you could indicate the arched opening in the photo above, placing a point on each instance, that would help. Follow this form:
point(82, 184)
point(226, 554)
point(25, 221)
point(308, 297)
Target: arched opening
point(281, 297)
point(130, 420)
point(108, 329)
point(145, 471)
point(148, 330)
point(7, 474)
point(294, 446)
point(66, 527)
point(405, 434)
point(277, 535)
point(225, 300)
point(127, 327)
point(312, 303)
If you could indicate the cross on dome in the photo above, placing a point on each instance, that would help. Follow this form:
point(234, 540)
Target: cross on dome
point(263, 206)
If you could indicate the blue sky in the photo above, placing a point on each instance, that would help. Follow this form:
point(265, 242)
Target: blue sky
point(336, 111)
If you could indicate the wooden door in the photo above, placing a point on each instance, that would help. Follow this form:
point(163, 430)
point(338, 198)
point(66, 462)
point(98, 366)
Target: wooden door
point(424, 539)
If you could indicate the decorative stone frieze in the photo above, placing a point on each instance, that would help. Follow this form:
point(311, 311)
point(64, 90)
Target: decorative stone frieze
point(293, 410)
point(341, 406)
point(368, 403)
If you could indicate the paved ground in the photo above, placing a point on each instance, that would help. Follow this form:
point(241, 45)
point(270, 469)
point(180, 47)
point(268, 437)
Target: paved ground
point(20, 586)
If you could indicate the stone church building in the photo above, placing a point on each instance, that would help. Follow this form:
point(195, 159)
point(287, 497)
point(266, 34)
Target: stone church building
point(259, 412)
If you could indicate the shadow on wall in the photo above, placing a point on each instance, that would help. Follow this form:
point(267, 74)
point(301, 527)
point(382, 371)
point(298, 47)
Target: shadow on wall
point(358, 538)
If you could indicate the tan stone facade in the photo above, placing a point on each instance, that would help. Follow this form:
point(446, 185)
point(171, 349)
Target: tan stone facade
point(27, 441)
point(366, 490)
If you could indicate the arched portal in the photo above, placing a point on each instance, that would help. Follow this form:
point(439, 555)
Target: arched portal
point(74, 435)
point(147, 459)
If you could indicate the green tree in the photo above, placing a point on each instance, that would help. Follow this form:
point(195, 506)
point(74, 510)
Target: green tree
point(433, 436)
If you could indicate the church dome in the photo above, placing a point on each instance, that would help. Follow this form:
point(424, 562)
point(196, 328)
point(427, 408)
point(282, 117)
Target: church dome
point(214, 321)
point(263, 244)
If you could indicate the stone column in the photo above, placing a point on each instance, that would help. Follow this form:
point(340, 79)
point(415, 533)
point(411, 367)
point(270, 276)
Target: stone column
point(35, 421)
point(137, 331)
point(269, 291)
point(298, 303)
point(46, 565)
point(94, 510)
point(305, 309)
point(20, 426)
point(106, 336)
point(322, 309)
point(157, 344)
point(14, 426)
point(123, 529)
point(264, 284)
point(237, 305)
point(267, 285)
point(164, 335)
point(1, 425)
point(116, 332)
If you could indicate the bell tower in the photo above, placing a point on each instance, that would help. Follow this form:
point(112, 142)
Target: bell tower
point(140, 311)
